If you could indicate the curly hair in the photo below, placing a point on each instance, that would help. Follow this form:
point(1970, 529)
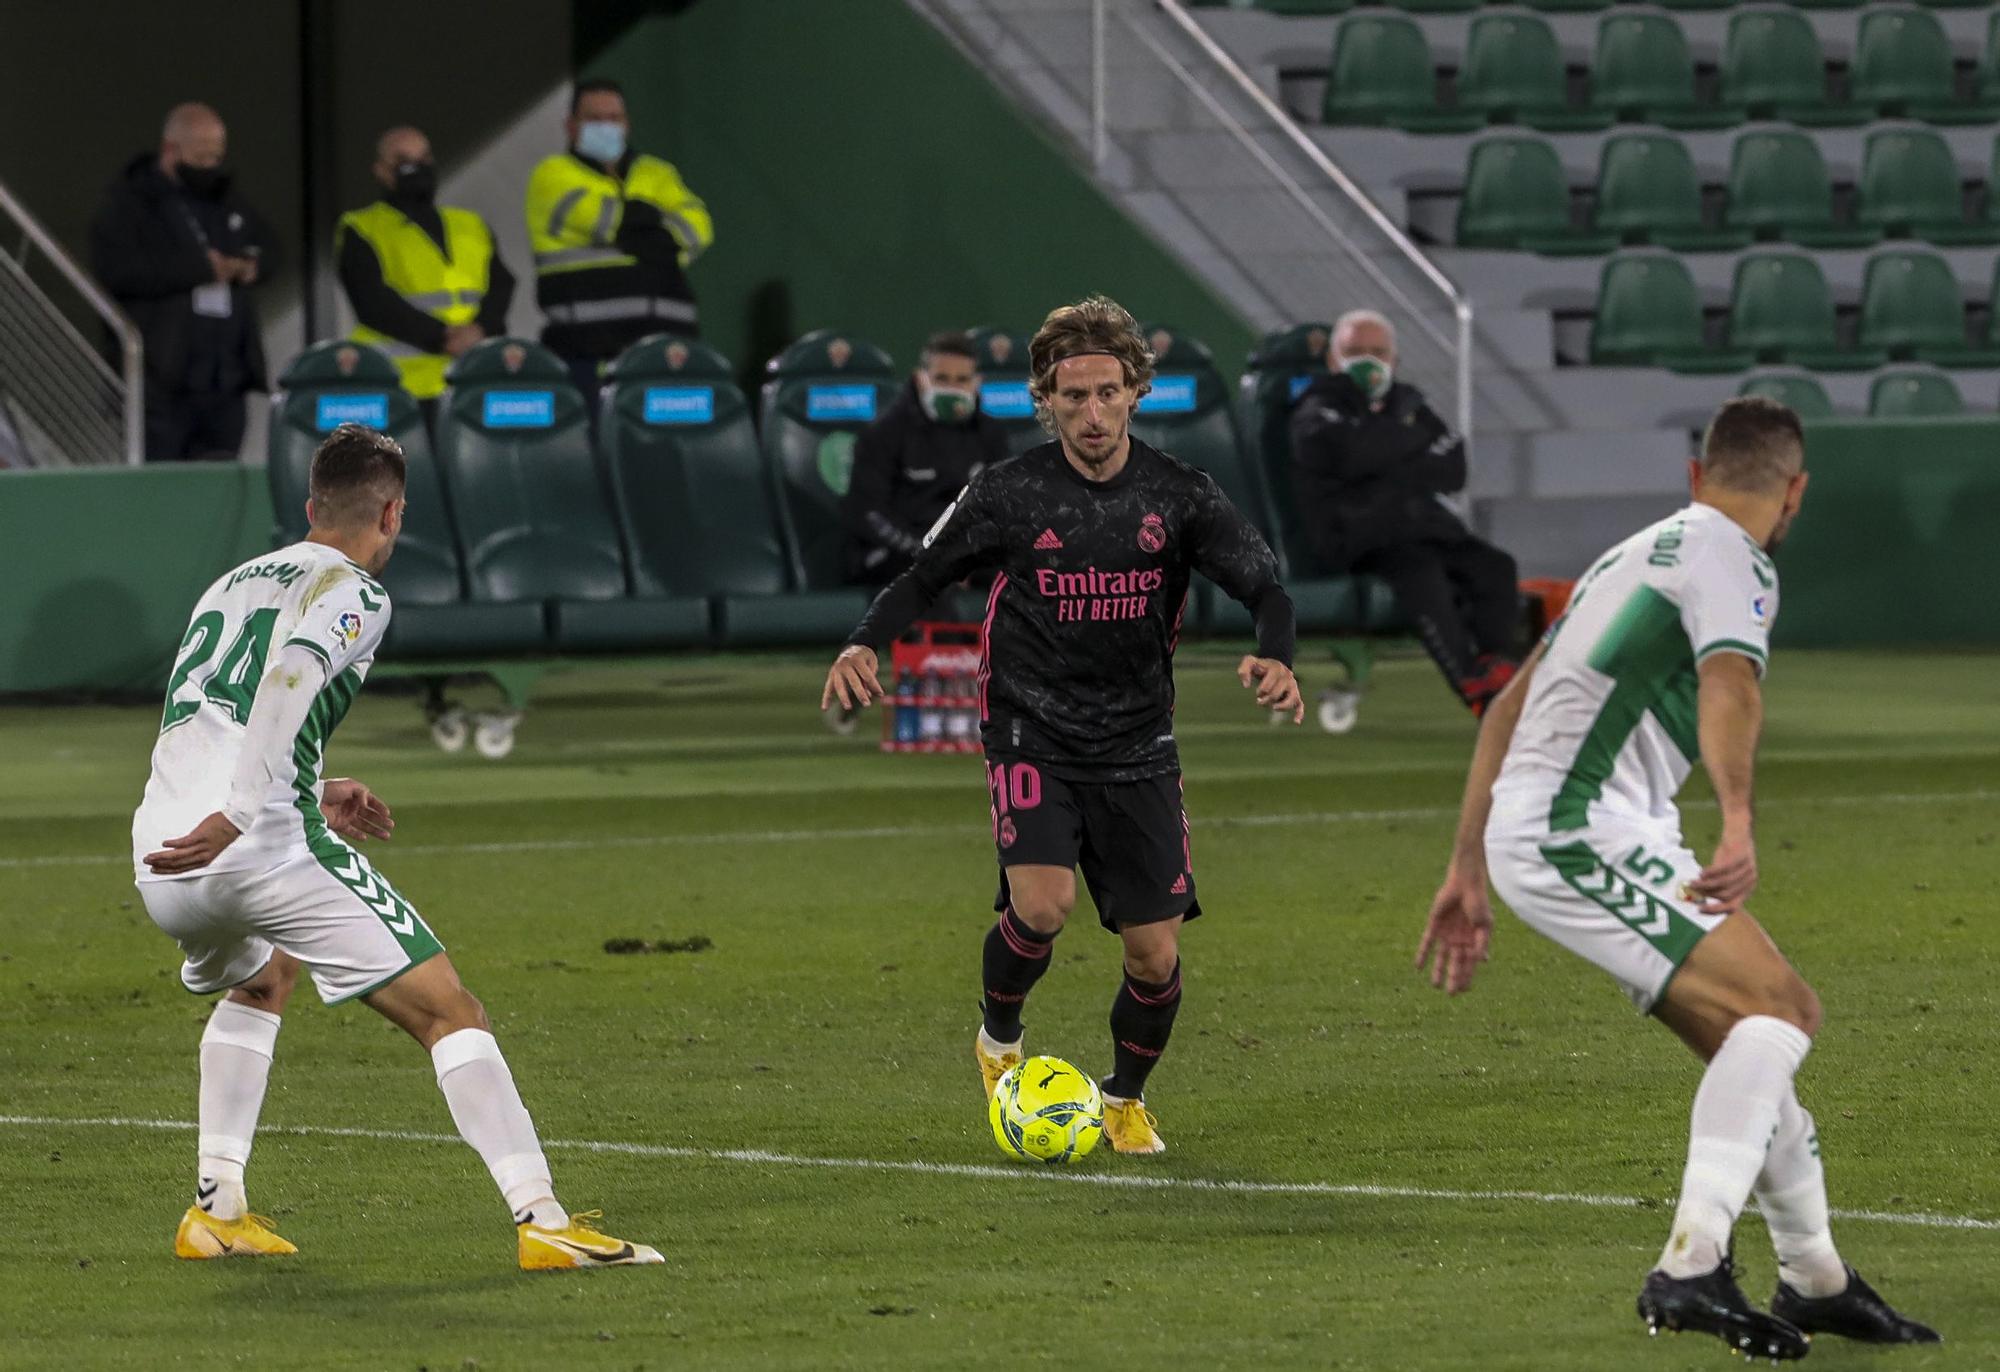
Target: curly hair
point(1096, 324)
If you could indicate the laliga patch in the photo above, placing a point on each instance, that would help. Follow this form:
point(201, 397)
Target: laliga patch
point(945, 518)
point(1760, 608)
point(346, 629)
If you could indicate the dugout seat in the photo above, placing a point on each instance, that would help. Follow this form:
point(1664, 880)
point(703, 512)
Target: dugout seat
point(1910, 188)
point(1309, 7)
point(1003, 386)
point(1779, 188)
point(340, 382)
point(1649, 315)
point(1914, 395)
point(818, 394)
point(1773, 67)
point(1516, 196)
point(534, 509)
point(1514, 73)
point(1903, 66)
point(1382, 73)
point(1644, 71)
point(1647, 192)
point(1804, 394)
point(1781, 311)
point(1911, 306)
point(695, 498)
point(1435, 6)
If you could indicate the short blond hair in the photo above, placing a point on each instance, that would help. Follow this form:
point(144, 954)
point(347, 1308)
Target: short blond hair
point(1095, 324)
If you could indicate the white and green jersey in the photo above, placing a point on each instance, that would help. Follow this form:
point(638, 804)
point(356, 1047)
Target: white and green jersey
point(1609, 728)
point(307, 595)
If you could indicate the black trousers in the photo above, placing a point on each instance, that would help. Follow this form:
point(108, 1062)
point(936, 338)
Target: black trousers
point(1461, 594)
point(188, 427)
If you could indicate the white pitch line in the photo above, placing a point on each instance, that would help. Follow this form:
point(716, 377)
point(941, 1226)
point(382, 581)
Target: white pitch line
point(728, 836)
point(1126, 1181)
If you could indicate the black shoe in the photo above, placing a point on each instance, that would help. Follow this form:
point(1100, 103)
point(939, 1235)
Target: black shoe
point(1856, 1313)
point(1712, 1303)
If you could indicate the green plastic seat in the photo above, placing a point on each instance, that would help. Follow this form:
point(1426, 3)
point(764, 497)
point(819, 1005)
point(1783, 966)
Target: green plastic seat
point(1779, 188)
point(1643, 71)
point(1514, 73)
point(1774, 68)
point(1989, 68)
point(1434, 6)
point(1648, 315)
point(1903, 66)
point(1568, 6)
point(533, 508)
point(1911, 307)
point(1828, 4)
point(1305, 6)
point(818, 395)
point(1910, 189)
point(1382, 73)
point(1647, 192)
point(1803, 394)
point(1914, 395)
point(1516, 197)
point(1781, 311)
point(1695, 6)
point(1954, 4)
point(341, 382)
point(1003, 386)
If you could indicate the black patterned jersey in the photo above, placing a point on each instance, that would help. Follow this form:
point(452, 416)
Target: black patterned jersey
point(1076, 648)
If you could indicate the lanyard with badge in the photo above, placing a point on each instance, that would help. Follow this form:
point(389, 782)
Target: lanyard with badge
point(211, 299)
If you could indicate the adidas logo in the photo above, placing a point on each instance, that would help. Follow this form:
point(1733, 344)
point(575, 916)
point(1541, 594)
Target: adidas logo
point(1048, 542)
point(1179, 888)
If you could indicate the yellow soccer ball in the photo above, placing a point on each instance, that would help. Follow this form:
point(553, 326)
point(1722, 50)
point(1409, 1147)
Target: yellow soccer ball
point(1045, 1110)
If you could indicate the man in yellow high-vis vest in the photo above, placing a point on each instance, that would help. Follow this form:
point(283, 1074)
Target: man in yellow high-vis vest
point(426, 281)
point(613, 232)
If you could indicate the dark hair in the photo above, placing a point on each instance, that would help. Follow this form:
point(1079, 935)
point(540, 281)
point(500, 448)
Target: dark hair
point(591, 87)
point(354, 473)
point(956, 342)
point(1095, 324)
point(1753, 444)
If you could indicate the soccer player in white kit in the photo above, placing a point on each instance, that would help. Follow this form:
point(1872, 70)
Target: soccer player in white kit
point(1569, 809)
point(241, 853)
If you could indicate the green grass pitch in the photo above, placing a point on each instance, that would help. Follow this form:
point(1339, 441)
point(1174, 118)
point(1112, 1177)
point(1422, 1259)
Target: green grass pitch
point(829, 1026)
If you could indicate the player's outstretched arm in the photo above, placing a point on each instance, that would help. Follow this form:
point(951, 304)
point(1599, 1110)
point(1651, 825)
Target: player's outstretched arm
point(1731, 715)
point(1460, 925)
point(852, 680)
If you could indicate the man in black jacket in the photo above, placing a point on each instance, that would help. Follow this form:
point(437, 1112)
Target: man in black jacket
point(1370, 463)
point(914, 460)
point(180, 253)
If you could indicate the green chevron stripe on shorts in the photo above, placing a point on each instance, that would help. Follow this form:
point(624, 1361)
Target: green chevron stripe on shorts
point(1673, 934)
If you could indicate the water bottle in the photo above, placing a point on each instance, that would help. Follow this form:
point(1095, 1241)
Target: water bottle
point(906, 710)
point(961, 723)
point(930, 715)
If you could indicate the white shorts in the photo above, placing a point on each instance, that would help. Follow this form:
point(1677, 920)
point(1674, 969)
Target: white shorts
point(338, 916)
point(1613, 894)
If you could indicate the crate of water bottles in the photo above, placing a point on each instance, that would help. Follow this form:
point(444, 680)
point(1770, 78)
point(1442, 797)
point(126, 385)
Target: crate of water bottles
point(934, 700)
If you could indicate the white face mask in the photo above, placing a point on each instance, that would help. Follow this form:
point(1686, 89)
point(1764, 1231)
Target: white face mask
point(1371, 374)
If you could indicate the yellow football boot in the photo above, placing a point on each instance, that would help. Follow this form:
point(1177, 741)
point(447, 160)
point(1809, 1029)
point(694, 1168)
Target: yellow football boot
point(1131, 1127)
point(994, 1059)
point(201, 1235)
point(547, 1250)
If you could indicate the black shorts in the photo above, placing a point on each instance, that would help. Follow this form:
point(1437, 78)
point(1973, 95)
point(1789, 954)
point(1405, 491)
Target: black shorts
point(1129, 837)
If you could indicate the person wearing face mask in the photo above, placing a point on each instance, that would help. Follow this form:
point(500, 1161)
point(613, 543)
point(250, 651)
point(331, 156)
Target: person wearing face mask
point(180, 251)
point(426, 281)
point(915, 458)
point(613, 232)
point(1371, 463)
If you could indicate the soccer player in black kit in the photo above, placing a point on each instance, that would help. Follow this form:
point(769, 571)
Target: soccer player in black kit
point(1092, 539)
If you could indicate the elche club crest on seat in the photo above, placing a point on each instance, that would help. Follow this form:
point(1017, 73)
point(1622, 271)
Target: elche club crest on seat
point(677, 355)
point(1316, 342)
point(1161, 342)
point(838, 350)
point(999, 347)
point(346, 360)
point(512, 356)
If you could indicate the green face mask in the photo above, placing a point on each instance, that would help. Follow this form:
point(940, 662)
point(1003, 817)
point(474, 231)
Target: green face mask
point(1371, 374)
point(949, 406)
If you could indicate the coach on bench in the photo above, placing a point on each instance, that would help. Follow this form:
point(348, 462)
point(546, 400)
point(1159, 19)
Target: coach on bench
point(1371, 463)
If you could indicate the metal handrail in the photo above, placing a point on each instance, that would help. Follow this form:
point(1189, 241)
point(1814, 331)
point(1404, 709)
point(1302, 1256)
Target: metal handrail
point(1360, 199)
point(131, 348)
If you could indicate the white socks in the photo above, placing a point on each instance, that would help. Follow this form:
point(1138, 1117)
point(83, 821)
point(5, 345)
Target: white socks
point(489, 1115)
point(236, 1050)
point(1791, 1191)
point(1736, 1113)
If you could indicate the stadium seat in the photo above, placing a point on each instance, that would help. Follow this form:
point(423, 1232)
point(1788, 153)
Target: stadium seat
point(1643, 71)
point(695, 498)
point(1804, 394)
point(1648, 315)
point(1828, 4)
point(330, 384)
point(1516, 197)
point(1514, 73)
point(1914, 395)
point(1903, 66)
point(1435, 6)
point(1382, 73)
point(1910, 187)
point(1780, 310)
point(533, 507)
point(1647, 192)
point(1568, 6)
point(1697, 5)
point(1910, 306)
point(1779, 188)
point(818, 394)
point(1003, 386)
point(1188, 415)
point(1305, 6)
point(1774, 68)
point(1989, 68)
